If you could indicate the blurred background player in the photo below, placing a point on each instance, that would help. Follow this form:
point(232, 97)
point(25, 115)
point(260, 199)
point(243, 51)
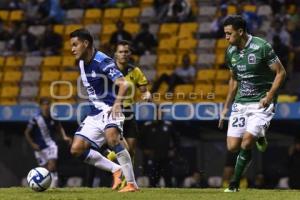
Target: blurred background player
point(104, 124)
point(40, 132)
point(256, 75)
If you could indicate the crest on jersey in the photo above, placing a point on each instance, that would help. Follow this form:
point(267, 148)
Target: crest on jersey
point(251, 58)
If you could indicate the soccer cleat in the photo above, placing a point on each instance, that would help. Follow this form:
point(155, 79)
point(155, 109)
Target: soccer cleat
point(111, 156)
point(262, 144)
point(233, 187)
point(130, 187)
point(117, 179)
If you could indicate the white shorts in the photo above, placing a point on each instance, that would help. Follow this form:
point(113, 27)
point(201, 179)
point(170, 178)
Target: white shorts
point(93, 127)
point(49, 153)
point(249, 118)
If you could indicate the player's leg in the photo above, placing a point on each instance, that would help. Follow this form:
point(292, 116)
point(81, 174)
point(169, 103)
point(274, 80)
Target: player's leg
point(51, 155)
point(112, 135)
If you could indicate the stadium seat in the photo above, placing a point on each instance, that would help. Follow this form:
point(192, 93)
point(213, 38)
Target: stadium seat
point(146, 3)
point(186, 30)
point(31, 76)
point(59, 28)
point(182, 92)
point(1, 75)
point(167, 30)
point(231, 9)
point(148, 14)
point(203, 91)
point(167, 45)
point(70, 28)
point(67, 48)
point(9, 91)
point(222, 44)
point(45, 90)
point(29, 91)
point(66, 91)
point(12, 76)
point(222, 75)
point(206, 59)
point(150, 74)
point(92, 15)
point(220, 58)
point(131, 14)
point(69, 76)
point(132, 28)
point(264, 10)
point(8, 101)
point(221, 90)
point(107, 30)
point(68, 61)
point(111, 15)
point(207, 11)
point(147, 61)
point(250, 8)
point(13, 62)
point(186, 45)
point(2, 61)
point(154, 28)
point(4, 14)
point(206, 75)
point(48, 76)
point(31, 61)
point(74, 16)
point(206, 44)
point(166, 61)
point(94, 29)
point(193, 58)
point(51, 61)
point(204, 27)
point(37, 30)
point(16, 15)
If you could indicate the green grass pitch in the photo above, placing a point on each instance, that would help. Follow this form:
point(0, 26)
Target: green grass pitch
point(17, 193)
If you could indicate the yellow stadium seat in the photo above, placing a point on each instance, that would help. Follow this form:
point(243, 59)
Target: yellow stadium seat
point(48, 76)
point(13, 62)
point(52, 61)
point(193, 58)
point(67, 48)
point(206, 75)
point(182, 92)
point(59, 28)
point(166, 61)
point(69, 76)
point(9, 91)
point(4, 14)
point(186, 30)
point(187, 44)
point(16, 15)
point(45, 90)
point(1, 75)
point(92, 15)
point(231, 9)
point(68, 61)
point(108, 29)
point(250, 8)
point(8, 101)
point(284, 98)
point(131, 14)
point(220, 59)
point(221, 90)
point(222, 75)
point(146, 3)
point(69, 101)
point(132, 28)
point(222, 44)
point(64, 90)
point(167, 30)
point(72, 27)
point(2, 59)
point(111, 14)
point(12, 76)
point(167, 45)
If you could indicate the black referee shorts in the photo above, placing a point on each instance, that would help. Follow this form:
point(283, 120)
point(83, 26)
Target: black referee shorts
point(130, 129)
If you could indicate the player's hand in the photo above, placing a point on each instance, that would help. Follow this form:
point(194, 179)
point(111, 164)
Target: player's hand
point(116, 111)
point(35, 147)
point(68, 140)
point(222, 118)
point(266, 101)
point(146, 96)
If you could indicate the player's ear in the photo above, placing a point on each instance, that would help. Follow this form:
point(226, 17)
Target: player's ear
point(86, 43)
point(240, 31)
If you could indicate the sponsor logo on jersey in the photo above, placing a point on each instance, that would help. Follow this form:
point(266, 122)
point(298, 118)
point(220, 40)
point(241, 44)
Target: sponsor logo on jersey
point(251, 58)
point(233, 60)
point(94, 74)
point(241, 68)
point(254, 46)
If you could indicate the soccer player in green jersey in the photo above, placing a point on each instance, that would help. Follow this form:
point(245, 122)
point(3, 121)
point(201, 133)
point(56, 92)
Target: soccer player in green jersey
point(256, 75)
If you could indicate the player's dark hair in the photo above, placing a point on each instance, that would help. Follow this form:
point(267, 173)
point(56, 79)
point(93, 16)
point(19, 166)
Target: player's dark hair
point(45, 100)
point(83, 34)
point(237, 22)
point(124, 42)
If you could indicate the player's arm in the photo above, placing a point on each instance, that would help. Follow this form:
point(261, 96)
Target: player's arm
point(229, 99)
point(279, 78)
point(28, 137)
point(62, 133)
point(142, 83)
point(123, 86)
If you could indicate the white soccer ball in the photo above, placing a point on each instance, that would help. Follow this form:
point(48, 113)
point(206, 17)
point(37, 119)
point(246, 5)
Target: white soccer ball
point(39, 179)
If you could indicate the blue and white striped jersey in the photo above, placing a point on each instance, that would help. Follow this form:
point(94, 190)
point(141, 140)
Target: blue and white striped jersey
point(42, 130)
point(98, 78)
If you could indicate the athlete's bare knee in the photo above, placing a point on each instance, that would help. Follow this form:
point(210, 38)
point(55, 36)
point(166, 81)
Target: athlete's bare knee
point(233, 148)
point(76, 151)
point(51, 166)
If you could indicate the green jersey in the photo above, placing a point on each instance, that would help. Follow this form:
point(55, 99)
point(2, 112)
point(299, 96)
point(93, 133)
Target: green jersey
point(250, 67)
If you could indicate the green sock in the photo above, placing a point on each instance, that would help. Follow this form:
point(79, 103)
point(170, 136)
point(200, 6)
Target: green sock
point(241, 162)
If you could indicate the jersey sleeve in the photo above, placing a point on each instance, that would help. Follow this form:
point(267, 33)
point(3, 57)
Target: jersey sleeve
point(110, 69)
point(269, 54)
point(31, 123)
point(140, 77)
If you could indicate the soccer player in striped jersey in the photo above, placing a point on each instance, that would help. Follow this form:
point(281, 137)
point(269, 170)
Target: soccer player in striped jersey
point(256, 75)
point(104, 124)
point(39, 134)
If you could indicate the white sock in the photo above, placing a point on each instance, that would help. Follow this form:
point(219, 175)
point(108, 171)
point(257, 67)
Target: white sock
point(96, 159)
point(124, 159)
point(54, 181)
